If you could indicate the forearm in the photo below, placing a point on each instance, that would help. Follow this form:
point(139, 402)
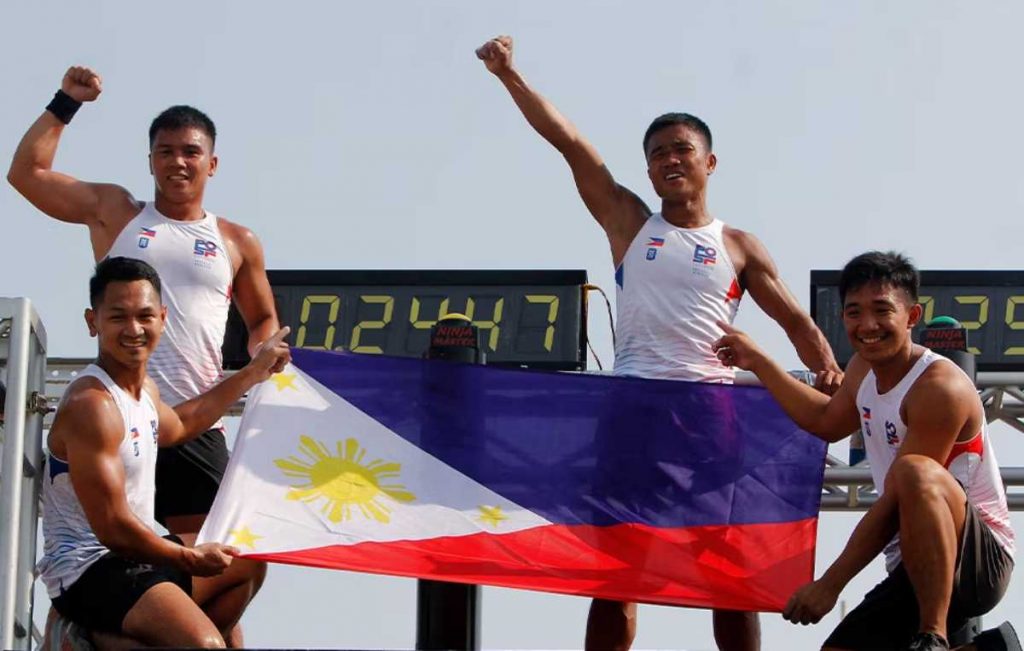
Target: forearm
point(127, 536)
point(200, 413)
point(872, 534)
point(260, 331)
point(811, 346)
point(37, 149)
point(804, 404)
point(539, 112)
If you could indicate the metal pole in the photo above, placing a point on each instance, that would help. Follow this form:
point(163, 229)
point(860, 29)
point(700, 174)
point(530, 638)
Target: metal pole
point(448, 614)
point(31, 486)
point(11, 463)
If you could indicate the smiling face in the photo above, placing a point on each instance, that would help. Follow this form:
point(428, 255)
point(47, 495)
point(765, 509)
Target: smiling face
point(878, 318)
point(679, 162)
point(181, 161)
point(127, 321)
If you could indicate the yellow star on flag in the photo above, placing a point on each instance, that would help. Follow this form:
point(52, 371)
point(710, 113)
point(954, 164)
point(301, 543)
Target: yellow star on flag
point(284, 381)
point(491, 515)
point(244, 537)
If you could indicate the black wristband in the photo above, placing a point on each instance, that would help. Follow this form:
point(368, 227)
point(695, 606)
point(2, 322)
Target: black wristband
point(63, 106)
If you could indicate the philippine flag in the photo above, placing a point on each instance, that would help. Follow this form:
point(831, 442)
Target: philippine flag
point(641, 490)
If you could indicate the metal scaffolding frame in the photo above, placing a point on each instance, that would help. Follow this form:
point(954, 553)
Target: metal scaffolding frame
point(35, 386)
point(23, 346)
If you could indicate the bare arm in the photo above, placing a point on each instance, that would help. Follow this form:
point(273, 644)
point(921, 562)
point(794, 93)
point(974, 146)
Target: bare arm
point(619, 212)
point(940, 408)
point(96, 429)
point(59, 195)
point(761, 277)
point(878, 526)
point(251, 289)
point(829, 418)
point(193, 417)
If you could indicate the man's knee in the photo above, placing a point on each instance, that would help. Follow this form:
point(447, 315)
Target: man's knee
point(915, 476)
point(250, 571)
point(207, 641)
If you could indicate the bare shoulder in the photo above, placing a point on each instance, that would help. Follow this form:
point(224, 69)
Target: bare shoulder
point(240, 236)
point(88, 410)
point(942, 385)
point(745, 241)
point(117, 206)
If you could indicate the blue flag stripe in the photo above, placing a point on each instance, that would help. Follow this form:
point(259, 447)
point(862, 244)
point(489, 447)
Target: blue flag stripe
point(599, 450)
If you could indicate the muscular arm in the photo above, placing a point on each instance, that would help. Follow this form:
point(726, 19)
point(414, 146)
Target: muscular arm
point(829, 418)
point(99, 206)
point(813, 601)
point(193, 417)
point(94, 431)
point(250, 289)
point(760, 276)
point(941, 408)
point(619, 212)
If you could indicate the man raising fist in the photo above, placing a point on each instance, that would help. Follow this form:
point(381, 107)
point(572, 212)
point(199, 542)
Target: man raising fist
point(677, 273)
point(205, 262)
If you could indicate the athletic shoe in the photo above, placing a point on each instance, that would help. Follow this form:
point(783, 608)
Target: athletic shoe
point(928, 642)
point(1000, 638)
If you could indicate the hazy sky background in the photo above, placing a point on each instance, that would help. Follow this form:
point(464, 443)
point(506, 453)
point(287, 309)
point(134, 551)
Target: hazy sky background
point(368, 136)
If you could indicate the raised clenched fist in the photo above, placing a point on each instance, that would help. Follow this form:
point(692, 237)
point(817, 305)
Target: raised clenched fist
point(82, 84)
point(496, 54)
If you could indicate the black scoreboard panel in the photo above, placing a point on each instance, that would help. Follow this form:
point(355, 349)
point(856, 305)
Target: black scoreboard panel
point(989, 304)
point(525, 318)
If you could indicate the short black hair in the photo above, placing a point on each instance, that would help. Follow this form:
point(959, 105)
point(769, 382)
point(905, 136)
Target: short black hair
point(182, 117)
point(672, 119)
point(119, 269)
point(885, 267)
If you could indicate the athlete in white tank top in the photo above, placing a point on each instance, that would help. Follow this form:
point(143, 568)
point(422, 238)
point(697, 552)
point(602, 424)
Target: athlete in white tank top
point(672, 286)
point(973, 462)
point(69, 544)
point(195, 270)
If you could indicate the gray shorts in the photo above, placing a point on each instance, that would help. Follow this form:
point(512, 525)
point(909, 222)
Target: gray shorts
point(888, 617)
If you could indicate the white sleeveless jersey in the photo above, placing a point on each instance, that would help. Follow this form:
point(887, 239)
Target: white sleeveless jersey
point(196, 275)
point(973, 462)
point(69, 544)
point(672, 286)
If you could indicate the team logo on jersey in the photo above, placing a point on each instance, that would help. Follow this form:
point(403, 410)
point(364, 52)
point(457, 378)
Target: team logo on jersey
point(156, 437)
point(866, 415)
point(134, 432)
point(205, 249)
point(890, 433)
point(653, 244)
point(145, 235)
point(705, 255)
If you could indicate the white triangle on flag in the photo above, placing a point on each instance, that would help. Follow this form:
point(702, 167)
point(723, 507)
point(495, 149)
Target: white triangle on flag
point(310, 470)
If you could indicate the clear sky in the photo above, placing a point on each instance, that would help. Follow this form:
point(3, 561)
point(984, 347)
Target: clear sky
point(367, 136)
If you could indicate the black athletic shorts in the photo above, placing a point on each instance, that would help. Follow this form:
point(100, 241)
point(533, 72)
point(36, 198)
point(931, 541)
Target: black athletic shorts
point(188, 475)
point(110, 587)
point(888, 617)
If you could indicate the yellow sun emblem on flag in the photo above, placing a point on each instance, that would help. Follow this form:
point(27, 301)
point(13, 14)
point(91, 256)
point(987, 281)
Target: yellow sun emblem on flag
point(343, 481)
